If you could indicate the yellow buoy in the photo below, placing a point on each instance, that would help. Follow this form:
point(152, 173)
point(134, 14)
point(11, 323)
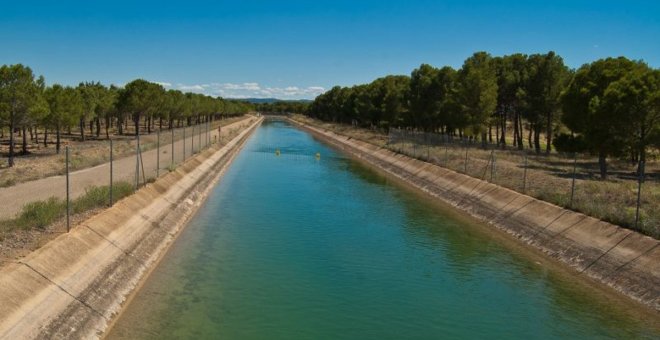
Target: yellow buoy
point(277, 152)
point(318, 155)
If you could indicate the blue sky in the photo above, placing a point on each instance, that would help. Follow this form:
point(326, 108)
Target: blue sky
point(298, 49)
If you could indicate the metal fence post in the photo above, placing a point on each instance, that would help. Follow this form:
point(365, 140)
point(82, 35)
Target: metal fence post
point(199, 138)
point(525, 175)
point(68, 193)
point(137, 162)
point(447, 156)
point(466, 156)
point(492, 165)
point(184, 144)
point(157, 153)
point(639, 191)
point(111, 172)
point(573, 182)
point(172, 163)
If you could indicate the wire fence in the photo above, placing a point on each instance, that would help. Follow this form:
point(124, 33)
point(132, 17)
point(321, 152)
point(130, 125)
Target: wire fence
point(130, 165)
point(630, 197)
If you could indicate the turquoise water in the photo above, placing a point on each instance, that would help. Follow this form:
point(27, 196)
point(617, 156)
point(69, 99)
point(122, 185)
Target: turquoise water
point(299, 247)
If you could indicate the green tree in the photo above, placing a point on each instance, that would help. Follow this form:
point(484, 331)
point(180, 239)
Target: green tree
point(478, 92)
point(423, 97)
point(90, 92)
point(65, 107)
point(596, 125)
point(18, 92)
point(634, 104)
point(140, 98)
point(546, 78)
point(511, 76)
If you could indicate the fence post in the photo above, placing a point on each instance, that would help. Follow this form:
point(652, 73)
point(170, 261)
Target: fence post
point(446, 155)
point(158, 153)
point(172, 163)
point(192, 141)
point(68, 192)
point(428, 148)
point(137, 162)
point(492, 165)
point(111, 172)
point(199, 138)
point(639, 192)
point(466, 157)
point(574, 174)
point(525, 175)
point(184, 144)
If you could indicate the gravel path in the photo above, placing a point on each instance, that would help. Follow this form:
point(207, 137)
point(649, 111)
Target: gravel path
point(12, 199)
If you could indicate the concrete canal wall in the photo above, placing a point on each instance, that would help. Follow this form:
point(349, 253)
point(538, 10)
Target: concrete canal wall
point(75, 285)
point(620, 258)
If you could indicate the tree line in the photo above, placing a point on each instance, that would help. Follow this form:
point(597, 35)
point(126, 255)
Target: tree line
point(27, 105)
point(609, 108)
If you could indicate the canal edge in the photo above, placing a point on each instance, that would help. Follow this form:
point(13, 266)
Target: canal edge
point(620, 259)
point(76, 285)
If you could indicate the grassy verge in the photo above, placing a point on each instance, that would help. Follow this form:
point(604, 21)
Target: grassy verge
point(40, 214)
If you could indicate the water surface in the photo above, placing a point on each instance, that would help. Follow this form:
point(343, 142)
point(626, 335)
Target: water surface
point(294, 246)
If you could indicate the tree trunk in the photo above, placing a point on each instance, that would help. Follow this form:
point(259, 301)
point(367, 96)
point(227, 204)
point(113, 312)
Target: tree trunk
point(529, 138)
point(537, 139)
point(107, 127)
point(11, 138)
point(91, 127)
point(24, 144)
point(548, 137)
point(57, 140)
point(137, 125)
point(82, 129)
point(602, 164)
point(98, 127)
point(45, 138)
point(520, 131)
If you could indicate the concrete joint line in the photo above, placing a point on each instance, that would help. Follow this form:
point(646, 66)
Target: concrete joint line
point(564, 212)
point(125, 252)
point(631, 261)
point(64, 290)
point(606, 252)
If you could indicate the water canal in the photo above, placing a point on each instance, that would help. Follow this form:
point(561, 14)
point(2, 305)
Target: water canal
point(293, 246)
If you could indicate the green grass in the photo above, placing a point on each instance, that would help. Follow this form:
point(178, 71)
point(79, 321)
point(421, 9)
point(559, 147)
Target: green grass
point(41, 214)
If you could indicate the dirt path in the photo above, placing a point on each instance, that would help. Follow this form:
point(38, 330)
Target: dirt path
point(15, 197)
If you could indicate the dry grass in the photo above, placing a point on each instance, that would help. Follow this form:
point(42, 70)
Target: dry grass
point(45, 162)
point(548, 178)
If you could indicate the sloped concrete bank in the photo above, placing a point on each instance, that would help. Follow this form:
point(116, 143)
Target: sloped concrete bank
point(620, 258)
point(74, 285)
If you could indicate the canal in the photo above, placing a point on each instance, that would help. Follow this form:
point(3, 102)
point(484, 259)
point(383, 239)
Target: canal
point(295, 245)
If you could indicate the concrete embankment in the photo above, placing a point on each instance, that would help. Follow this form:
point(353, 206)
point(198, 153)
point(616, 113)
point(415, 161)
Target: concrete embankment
point(620, 258)
point(75, 285)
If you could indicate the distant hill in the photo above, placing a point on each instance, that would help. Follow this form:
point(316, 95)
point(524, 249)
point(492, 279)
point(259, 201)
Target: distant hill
point(272, 100)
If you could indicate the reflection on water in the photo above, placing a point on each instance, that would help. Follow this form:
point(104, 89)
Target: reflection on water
point(296, 246)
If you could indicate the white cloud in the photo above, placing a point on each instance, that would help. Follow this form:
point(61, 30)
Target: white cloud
point(163, 84)
point(191, 88)
point(252, 90)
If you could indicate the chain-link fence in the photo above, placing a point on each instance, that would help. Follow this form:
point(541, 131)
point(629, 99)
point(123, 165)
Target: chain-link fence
point(630, 196)
point(127, 163)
